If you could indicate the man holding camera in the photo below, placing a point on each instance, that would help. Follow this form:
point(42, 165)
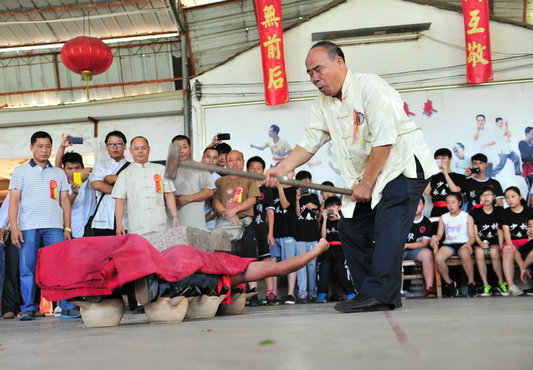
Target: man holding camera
point(478, 180)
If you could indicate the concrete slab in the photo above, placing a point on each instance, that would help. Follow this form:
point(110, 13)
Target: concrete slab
point(459, 333)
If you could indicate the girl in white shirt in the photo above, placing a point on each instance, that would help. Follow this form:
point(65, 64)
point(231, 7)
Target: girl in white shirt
point(458, 228)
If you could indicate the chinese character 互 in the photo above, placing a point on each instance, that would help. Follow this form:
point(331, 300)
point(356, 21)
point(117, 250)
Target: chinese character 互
point(272, 46)
point(475, 53)
point(406, 109)
point(274, 78)
point(428, 108)
point(474, 23)
point(270, 16)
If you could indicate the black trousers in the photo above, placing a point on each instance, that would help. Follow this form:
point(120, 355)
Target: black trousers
point(11, 298)
point(373, 239)
point(332, 261)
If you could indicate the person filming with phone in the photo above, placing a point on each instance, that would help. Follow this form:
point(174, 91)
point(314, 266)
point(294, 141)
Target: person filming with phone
point(478, 180)
point(81, 194)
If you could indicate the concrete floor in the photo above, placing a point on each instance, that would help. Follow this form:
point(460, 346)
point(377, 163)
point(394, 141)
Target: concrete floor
point(459, 333)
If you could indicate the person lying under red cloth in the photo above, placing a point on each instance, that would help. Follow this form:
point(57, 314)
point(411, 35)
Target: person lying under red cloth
point(99, 265)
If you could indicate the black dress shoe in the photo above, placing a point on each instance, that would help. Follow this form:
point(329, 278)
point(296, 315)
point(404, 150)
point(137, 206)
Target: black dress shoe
point(363, 303)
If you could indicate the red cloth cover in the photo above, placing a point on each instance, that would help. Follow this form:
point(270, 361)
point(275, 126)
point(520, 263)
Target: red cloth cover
point(98, 265)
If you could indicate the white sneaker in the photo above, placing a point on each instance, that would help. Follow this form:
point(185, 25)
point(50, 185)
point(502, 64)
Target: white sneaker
point(515, 291)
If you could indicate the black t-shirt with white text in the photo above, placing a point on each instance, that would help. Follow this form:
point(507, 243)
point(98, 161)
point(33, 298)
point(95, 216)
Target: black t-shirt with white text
point(488, 224)
point(440, 188)
point(473, 189)
point(284, 219)
point(420, 230)
point(517, 222)
point(264, 202)
point(307, 229)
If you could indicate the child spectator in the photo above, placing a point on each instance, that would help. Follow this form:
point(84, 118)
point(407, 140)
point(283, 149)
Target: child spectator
point(332, 261)
point(444, 182)
point(307, 235)
point(458, 228)
point(264, 228)
point(479, 181)
point(285, 232)
point(514, 226)
point(417, 247)
point(489, 239)
point(525, 256)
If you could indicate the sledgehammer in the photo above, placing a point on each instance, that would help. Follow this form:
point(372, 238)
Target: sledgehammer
point(173, 162)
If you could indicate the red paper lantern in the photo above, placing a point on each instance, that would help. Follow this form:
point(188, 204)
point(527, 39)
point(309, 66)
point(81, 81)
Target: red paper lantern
point(87, 56)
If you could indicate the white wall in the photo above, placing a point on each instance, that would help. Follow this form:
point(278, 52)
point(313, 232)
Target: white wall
point(133, 116)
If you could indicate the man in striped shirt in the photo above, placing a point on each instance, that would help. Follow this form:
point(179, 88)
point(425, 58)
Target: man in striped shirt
point(39, 214)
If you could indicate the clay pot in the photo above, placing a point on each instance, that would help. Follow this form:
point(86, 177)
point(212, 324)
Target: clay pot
point(109, 312)
point(236, 307)
point(203, 306)
point(167, 309)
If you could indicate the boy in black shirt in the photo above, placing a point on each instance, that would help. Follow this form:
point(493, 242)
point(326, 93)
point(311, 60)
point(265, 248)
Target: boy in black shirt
point(332, 261)
point(417, 248)
point(307, 235)
point(479, 181)
point(285, 232)
point(264, 228)
point(444, 182)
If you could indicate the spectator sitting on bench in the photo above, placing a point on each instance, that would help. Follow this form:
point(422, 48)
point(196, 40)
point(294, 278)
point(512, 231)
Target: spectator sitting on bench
point(417, 248)
point(489, 240)
point(514, 226)
point(525, 256)
point(458, 228)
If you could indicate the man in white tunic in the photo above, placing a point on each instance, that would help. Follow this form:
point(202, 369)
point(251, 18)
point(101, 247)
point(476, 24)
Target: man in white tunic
point(382, 156)
point(146, 190)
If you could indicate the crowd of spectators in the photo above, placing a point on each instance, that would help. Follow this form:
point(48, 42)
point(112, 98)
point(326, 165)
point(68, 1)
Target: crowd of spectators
point(48, 204)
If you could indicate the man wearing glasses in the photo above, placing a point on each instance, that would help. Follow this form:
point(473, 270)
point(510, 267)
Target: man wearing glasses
point(104, 175)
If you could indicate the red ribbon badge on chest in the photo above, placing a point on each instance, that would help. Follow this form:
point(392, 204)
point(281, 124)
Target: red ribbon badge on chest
point(237, 198)
point(358, 120)
point(53, 189)
point(157, 180)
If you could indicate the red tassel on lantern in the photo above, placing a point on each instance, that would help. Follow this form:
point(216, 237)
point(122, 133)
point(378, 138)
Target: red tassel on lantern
point(87, 56)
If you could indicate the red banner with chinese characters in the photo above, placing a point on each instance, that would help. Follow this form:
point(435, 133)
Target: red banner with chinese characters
point(478, 58)
point(270, 25)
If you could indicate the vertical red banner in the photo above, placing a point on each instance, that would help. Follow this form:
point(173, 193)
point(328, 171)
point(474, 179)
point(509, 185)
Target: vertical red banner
point(270, 25)
point(478, 57)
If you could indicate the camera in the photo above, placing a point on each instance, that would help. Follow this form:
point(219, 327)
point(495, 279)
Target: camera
point(304, 191)
point(225, 136)
point(75, 140)
point(475, 170)
point(331, 212)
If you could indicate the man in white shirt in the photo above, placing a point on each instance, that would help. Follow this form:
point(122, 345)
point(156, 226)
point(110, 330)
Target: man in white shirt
point(103, 179)
point(146, 190)
point(193, 188)
point(382, 156)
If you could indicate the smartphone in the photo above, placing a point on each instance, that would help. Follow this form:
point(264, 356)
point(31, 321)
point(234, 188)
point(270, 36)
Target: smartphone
point(77, 178)
point(330, 212)
point(475, 170)
point(438, 162)
point(75, 140)
point(225, 136)
point(304, 191)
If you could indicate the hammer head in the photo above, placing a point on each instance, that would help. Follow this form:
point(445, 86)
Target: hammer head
point(173, 161)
